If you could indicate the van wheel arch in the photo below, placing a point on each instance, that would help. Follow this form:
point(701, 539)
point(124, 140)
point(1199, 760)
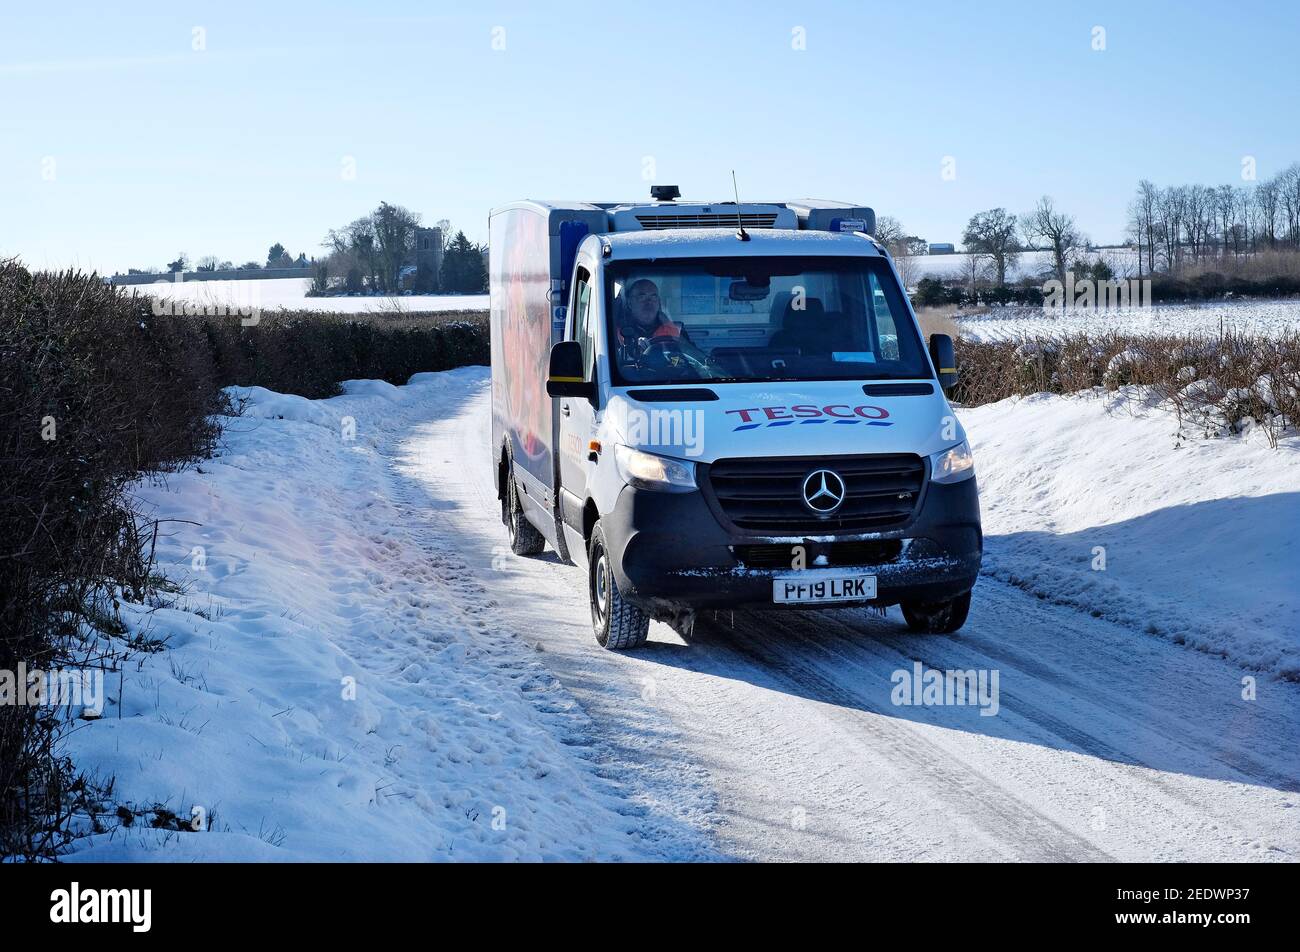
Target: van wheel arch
point(589, 516)
point(503, 470)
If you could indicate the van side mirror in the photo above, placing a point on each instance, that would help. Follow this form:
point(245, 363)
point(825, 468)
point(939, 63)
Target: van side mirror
point(567, 376)
point(945, 360)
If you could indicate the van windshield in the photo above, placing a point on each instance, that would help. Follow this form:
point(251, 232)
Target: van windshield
point(760, 318)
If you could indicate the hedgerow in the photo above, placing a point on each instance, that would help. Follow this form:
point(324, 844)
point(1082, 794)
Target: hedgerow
point(97, 390)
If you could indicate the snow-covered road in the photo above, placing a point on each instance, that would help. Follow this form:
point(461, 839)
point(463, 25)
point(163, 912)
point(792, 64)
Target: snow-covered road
point(356, 667)
point(1109, 743)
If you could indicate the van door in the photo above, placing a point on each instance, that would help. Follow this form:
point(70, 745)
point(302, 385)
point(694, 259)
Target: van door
point(577, 415)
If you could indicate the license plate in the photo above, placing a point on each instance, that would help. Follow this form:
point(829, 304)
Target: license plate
point(841, 588)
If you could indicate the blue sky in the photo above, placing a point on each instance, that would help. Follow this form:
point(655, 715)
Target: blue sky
point(122, 145)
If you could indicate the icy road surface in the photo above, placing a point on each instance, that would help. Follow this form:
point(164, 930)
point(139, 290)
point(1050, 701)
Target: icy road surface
point(354, 666)
point(1110, 743)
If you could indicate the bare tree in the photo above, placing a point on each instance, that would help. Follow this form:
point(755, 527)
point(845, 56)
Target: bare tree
point(1225, 208)
point(902, 246)
point(972, 267)
point(1148, 202)
point(394, 228)
point(1173, 210)
point(889, 232)
point(1288, 188)
point(994, 237)
point(357, 240)
point(906, 270)
point(1142, 215)
point(1266, 200)
point(1248, 219)
point(1198, 219)
point(1056, 230)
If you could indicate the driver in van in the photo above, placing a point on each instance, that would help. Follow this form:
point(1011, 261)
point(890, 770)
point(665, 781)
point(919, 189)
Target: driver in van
point(649, 340)
point(643, 318)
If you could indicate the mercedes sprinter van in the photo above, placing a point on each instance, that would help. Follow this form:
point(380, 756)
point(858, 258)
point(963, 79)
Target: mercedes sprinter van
point(725, 405)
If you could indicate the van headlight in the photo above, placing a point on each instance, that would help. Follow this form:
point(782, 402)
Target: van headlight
point(647, 471)
point(952, 465)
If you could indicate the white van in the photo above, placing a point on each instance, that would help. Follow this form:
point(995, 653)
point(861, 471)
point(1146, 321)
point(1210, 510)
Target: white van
point(722, 405)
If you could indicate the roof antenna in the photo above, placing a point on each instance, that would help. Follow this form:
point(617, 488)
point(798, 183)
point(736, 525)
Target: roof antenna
point(740, 231)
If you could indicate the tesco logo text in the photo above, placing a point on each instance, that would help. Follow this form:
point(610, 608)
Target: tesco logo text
point(806, 413)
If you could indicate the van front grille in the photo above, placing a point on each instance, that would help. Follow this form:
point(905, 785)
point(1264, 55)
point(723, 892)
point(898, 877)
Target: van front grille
point(712, 220)
point(766, 495)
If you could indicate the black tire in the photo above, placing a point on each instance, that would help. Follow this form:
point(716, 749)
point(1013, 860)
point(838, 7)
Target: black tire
point(619, 625)
point(937, 618)
point(525, 538)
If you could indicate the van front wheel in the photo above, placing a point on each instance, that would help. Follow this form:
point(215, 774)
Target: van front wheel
point(619, 625)
point(937, 618)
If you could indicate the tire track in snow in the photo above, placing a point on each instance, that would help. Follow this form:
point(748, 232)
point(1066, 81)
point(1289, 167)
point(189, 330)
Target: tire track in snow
point(1126, 778)
point(971, 648)
point(789, 711)
point(424, 465)
point(962, 787)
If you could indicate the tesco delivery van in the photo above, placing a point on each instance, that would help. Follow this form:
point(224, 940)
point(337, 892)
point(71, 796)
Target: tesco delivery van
point(725, 405)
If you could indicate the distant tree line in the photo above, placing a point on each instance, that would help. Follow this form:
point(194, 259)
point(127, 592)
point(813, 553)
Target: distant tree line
point(994, 241)
point(277, 257)
point(376, 254)
point(1225, 239)
point(1182, 225)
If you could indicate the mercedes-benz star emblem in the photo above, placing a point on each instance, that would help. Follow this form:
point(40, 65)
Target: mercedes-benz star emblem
point(823, 491)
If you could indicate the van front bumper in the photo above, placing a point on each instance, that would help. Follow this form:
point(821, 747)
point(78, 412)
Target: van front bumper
point(672, 553)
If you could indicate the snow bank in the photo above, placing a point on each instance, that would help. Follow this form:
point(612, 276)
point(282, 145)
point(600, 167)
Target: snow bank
point(376, 388)
point(258, 403)
point(332, 689)
point(1095, 502)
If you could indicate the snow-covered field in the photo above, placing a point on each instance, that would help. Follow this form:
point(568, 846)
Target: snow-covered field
point(1030, 264)
point(1261, 317)
point(487, 724)
point(291, 293)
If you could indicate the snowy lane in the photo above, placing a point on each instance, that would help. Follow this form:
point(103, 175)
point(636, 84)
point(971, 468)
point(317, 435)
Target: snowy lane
point(1108, 743)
